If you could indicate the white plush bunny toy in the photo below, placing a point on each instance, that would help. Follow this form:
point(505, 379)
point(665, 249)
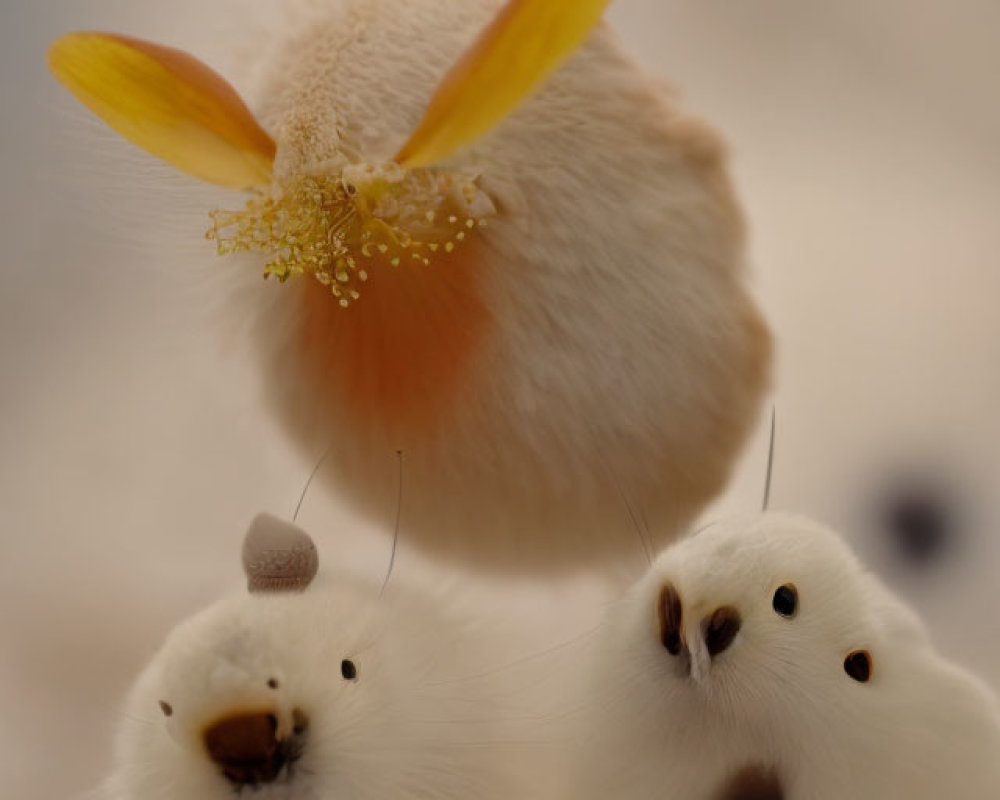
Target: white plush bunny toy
point(758, 660)
point(331, 691)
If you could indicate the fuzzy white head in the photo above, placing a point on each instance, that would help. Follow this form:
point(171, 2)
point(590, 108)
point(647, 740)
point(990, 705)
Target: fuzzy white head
point(546, 321)
point(758, 659)
point(294, 693)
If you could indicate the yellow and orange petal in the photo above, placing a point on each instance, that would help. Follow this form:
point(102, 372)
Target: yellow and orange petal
point(168, 103)
point(525, 43)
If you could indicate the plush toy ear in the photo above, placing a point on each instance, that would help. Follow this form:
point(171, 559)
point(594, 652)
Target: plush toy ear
point(525, 43)
point(278, 556)
point(167, 103)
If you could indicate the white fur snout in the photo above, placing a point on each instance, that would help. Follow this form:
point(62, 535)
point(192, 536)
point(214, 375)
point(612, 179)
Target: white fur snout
point(695, 634)
point(700, 660)
point(328, 693)
point(224, 707)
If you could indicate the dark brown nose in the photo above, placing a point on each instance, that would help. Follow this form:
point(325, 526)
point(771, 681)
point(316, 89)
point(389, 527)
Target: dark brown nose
point(246, 748)
point(720, 629)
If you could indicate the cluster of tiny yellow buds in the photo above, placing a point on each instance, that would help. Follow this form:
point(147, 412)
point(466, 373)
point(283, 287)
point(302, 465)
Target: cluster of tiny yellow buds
point(330, 225)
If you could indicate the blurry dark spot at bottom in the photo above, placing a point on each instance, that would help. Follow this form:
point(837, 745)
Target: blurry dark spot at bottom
point(754, 782)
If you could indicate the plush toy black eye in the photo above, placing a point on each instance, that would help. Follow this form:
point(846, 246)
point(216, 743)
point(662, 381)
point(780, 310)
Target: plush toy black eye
point(786, 600)
point(272, 683)
point(166, 708)
point(348, 670)
point(858, 665)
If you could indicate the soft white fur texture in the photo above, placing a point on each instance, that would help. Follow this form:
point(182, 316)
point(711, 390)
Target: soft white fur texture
point(425, 717)
point(779, 697)
point(626, 361)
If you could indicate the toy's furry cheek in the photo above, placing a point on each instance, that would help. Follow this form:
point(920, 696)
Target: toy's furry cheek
point(403, 351)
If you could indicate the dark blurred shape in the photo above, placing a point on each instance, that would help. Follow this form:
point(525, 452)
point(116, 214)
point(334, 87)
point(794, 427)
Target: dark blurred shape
point(921, 518)
point(755, 782)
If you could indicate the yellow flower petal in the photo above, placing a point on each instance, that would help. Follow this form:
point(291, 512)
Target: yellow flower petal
point(168, 103)
point(521, 47)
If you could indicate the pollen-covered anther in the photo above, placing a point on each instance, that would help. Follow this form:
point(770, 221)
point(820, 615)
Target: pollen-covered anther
point(326, 225)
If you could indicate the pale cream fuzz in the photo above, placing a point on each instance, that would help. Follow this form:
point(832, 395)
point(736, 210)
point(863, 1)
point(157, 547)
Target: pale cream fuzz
point(595, 349)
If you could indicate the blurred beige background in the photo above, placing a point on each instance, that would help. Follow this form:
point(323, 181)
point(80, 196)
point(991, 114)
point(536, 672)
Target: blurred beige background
point(133, 447)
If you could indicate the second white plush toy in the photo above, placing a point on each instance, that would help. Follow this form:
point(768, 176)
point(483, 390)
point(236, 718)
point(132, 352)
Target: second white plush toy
point(332, 691)
point(759, 661)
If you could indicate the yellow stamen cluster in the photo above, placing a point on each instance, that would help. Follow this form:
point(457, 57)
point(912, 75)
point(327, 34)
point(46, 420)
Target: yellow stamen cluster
point(329, 225)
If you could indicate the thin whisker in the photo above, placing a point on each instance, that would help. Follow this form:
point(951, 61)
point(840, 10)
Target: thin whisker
point(770, 463)
point(395, 533)
point(644, 539)
point(309, 481)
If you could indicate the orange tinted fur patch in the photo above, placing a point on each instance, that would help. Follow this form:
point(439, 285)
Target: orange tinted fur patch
point(400, 352)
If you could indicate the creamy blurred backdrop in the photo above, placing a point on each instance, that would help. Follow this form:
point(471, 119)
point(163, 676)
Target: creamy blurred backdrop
point(134, 448)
